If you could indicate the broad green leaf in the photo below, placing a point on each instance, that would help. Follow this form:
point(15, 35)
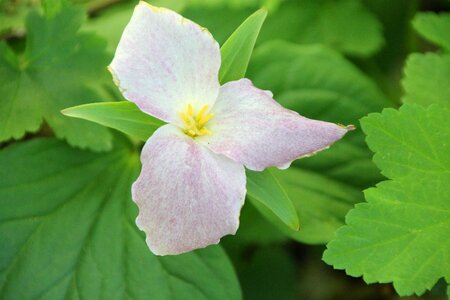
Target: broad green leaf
point(264, 188)
point(434, 27)
point(401, 234)
point(235, 4)
point(237, 50)
point(344, 25)
point(268, 273)
point(320, 84)
point(427, 79)
point(321, 204)
point(124, 116)
point(67, 232)
point(54, 73)
point(53, 7)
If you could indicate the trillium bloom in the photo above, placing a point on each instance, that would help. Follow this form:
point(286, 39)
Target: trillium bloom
point(192, 183)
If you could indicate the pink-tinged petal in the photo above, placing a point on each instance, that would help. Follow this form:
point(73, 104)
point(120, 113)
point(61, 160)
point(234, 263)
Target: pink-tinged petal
point(164, 62)
point(253, 129)
point(188, 196)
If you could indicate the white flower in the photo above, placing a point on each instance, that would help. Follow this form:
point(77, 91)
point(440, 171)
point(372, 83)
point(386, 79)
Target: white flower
point(192, 184)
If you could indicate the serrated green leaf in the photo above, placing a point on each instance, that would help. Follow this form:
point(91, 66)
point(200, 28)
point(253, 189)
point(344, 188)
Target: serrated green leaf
point(124, 116)
point(427, 79)
point(67, 231)
point(264, 188)
point(50, 76)
point(401, 234)
point(434, 27)
point(237, 50)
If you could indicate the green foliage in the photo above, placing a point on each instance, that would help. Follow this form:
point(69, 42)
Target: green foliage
point(401, 233)
point(234, 3)
point(345, 25)
point(49, 76)
point(237, 50)
point(434, 27)
point(321, 204)
point(268, 275)
point(66, 215)
point(67, 228)
point(124, 116)
point(427, 78)
point(53, 7)
point(263, 188)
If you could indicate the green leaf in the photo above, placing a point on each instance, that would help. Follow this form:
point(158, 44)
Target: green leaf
point(344, 25)
point(427, 79)
point(53, 7)
point(321, 203)
point(124, 116)
point(67, 230)
point(237, 50)
point(401, 234)
point(54, 73)
point(320, 83)
point(264, 188)
point(269, 273)
point(434, 27)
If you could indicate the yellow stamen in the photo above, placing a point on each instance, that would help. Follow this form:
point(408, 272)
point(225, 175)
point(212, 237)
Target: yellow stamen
point(205, 119)
point(201, 112)
point(194, 123)
point(190, 110)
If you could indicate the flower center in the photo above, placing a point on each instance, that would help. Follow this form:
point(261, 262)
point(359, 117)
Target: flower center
point(194, 123)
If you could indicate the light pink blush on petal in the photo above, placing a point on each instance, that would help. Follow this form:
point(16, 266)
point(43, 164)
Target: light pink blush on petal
point(188, 196)
point(164, 62)
point(251, 128)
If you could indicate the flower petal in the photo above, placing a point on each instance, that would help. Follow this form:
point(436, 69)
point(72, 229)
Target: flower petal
point(253, 129)
point(188, 196)
point(164, 62)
